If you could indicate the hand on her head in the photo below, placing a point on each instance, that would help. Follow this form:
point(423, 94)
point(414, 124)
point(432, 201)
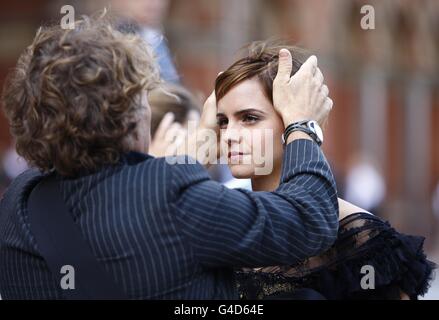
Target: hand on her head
point(302, 96)
point(208, 115)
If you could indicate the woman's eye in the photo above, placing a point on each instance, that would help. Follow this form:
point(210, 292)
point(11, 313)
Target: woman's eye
point(222, 123)
point(250, 118)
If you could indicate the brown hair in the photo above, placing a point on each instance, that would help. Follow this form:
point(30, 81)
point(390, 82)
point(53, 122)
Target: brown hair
point(261, 61)
point(75, 97)
point(171, 98)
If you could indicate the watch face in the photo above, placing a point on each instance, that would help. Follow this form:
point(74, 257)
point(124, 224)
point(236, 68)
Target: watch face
point(314, 126)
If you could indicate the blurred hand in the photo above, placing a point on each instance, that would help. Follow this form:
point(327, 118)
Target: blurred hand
point(302, 96)
point(168, 137)
point(203, 143)
point(208, 115)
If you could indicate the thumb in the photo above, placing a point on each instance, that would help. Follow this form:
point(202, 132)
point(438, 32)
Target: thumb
point(285, 65)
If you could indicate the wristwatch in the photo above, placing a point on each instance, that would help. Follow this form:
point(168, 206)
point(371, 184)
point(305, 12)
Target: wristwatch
point(310, 127)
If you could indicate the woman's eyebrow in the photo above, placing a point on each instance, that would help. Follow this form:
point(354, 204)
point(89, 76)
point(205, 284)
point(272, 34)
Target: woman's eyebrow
point(240, 112)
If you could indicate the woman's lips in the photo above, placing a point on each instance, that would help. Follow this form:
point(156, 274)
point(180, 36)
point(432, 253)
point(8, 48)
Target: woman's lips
point(235, 156)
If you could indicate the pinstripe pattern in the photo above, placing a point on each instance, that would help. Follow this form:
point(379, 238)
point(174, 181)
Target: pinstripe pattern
point(170, 232)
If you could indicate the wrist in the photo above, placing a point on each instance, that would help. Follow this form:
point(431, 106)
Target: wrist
point(310, 127)
point(296, 135)
point(287, 120)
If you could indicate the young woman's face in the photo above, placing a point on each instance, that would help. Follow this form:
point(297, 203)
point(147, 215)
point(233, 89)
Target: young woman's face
point(250, 130)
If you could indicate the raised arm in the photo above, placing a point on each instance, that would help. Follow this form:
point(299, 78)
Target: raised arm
point(239, 228)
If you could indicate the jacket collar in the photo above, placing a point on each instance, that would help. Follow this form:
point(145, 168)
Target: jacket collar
point(134, 157)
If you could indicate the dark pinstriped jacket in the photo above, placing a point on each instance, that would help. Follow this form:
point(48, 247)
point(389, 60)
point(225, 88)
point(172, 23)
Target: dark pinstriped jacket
point(169, 232)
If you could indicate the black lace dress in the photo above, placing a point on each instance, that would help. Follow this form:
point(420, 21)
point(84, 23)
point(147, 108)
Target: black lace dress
point(398, 261)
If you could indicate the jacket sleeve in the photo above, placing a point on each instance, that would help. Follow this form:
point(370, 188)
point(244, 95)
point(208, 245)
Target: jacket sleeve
point(238, 228)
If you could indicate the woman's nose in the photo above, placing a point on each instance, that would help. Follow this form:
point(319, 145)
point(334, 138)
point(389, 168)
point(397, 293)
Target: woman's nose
point(230, 134)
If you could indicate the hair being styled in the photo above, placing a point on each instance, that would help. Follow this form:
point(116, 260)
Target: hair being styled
point(74, 100)
point(260, 61)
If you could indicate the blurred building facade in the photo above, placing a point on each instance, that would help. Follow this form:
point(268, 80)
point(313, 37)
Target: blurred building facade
point(384, 82)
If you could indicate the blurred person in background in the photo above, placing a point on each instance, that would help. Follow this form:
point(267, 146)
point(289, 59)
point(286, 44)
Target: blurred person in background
point(172, 107)
point(364, 185)
point(13, 164)
point(146, 18)
point(244, 94)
